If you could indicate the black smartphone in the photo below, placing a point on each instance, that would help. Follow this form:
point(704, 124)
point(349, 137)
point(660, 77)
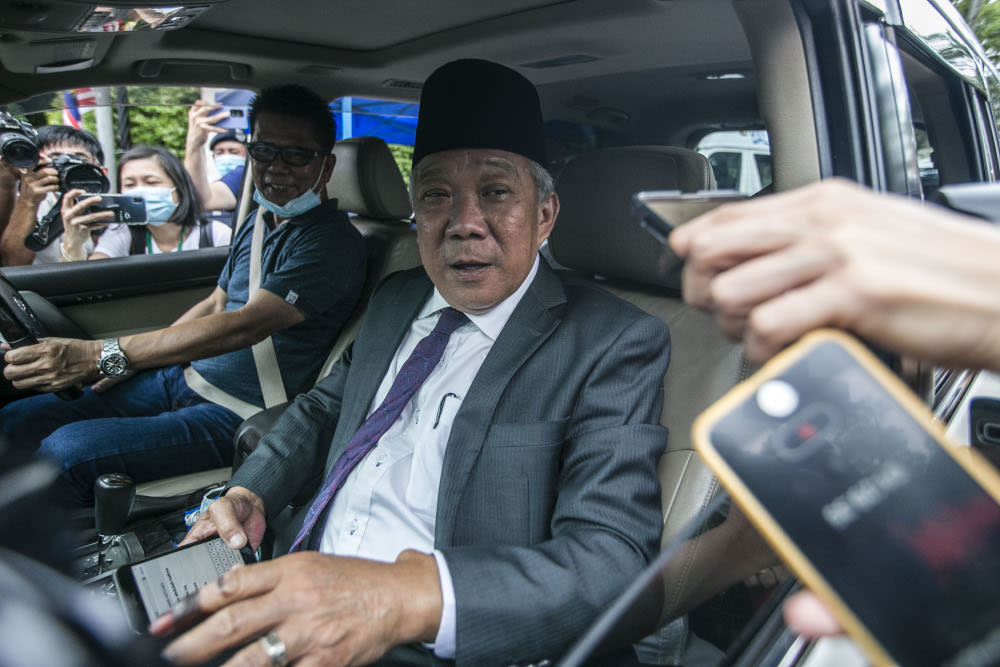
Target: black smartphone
point(659, 211)
point(149, 588)
point(237, 118)
point(128, 209)
point(849, 477)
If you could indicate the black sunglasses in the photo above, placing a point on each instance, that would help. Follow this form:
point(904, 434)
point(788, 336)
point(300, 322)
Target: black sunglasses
point(294, 156)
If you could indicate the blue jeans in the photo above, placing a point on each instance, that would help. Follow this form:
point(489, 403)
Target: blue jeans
point(150, 426)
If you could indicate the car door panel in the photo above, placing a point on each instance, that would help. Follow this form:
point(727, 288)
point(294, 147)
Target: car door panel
point(115, 297)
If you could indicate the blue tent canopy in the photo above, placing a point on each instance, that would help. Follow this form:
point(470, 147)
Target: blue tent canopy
point(393, 122)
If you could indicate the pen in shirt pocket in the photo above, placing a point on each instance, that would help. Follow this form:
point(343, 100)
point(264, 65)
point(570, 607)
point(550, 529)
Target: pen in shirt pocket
point(444, 399)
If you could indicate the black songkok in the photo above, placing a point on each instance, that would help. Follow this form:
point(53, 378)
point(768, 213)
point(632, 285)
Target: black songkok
point(479, 104)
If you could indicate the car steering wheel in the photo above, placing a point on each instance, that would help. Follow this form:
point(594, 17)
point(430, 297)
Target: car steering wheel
point(19, 326)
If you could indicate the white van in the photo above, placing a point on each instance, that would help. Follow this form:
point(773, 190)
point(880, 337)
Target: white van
point(741, 160)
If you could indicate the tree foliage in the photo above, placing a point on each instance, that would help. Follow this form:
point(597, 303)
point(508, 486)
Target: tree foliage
point(403, 156)
point(984, 18)
point(157, 116)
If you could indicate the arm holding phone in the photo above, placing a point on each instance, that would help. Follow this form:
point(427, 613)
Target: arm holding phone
point(202, 117)
point(909, 276)
point(913, 277)
point(79, 223)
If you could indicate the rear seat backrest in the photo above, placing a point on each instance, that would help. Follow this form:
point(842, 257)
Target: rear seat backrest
point(598, 235)
point(367, 183)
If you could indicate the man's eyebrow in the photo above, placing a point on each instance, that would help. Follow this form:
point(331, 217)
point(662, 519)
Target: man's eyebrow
point(501, 163)
point(428, 172)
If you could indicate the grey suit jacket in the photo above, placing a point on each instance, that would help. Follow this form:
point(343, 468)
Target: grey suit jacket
point(549, 502)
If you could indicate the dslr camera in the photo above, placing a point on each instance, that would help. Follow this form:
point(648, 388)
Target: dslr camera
point(18, 141)
point(75, 172)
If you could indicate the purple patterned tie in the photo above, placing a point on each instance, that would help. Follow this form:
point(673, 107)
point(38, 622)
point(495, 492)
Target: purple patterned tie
point(422, 360)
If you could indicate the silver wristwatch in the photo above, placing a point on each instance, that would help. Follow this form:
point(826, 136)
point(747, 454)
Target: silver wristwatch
point(113, 362)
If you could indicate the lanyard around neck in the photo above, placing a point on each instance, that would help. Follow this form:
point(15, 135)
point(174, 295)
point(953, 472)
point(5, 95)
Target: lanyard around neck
point(149, 240)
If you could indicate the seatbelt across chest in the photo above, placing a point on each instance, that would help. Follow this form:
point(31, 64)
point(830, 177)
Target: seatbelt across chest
point(265, 358)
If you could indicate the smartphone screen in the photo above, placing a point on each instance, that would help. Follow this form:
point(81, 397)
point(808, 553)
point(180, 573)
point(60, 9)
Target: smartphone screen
point(892, 523)
point(150, 588)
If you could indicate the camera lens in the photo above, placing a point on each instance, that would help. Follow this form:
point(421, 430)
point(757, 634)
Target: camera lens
point(75, 173)
point(17, 150)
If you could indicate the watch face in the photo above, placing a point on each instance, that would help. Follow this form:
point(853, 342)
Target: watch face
point(114, 365)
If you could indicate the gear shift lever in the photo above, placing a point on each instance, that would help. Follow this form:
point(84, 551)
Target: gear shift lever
point(113, 496)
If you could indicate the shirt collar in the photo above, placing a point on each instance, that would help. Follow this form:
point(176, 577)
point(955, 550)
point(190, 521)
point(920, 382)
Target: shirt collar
point(493, 321)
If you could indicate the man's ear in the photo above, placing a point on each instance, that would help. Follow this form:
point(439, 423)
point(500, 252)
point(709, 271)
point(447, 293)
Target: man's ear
point(547, 212)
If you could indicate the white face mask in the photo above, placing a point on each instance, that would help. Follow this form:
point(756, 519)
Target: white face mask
point(159, 202)
point(227, 162)
point(293, 208)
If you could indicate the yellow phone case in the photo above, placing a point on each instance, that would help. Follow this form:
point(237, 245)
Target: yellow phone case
point(970, 460)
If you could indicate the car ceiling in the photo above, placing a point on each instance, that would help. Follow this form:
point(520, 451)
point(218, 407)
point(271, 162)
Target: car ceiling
point(384, 48)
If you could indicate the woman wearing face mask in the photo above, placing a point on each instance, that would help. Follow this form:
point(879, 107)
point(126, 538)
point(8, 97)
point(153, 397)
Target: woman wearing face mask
point(173, 211)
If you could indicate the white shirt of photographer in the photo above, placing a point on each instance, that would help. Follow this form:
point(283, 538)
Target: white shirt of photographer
point(389, 501)
point(116, 241)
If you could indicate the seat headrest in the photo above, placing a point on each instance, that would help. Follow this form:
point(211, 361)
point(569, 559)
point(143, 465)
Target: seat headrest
point(598, 233)
point(366, 180)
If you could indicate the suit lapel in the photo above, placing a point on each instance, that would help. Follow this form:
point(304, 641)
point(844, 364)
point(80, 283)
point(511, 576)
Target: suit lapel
point(531, 323)
point(385, 326)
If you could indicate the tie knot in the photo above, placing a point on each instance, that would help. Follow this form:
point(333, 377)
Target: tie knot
point(450, 320)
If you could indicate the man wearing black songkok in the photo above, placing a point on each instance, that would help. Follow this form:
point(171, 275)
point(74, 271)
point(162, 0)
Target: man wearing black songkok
point(489, 489)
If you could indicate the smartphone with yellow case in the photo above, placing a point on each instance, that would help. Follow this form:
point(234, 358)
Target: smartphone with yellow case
point(850, 479)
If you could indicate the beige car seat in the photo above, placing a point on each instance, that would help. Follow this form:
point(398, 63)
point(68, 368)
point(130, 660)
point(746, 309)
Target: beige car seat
point(598, 235)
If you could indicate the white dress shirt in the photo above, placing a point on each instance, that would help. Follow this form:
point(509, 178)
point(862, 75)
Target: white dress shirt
point(388, 503)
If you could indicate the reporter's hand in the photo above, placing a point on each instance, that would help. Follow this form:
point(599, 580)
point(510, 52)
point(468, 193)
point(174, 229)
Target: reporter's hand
point(238, 517)
point(806, 615)
point(78, 224)
point(912, 277)
point(202, 117)
point(327, 610)
point(53, 364)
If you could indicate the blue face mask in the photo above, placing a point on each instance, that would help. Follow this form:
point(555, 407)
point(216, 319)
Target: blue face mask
point(159, 202)
point(227, 162)
point(306, 201)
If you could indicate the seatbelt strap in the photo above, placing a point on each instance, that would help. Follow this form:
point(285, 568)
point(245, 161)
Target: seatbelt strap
point(210, 392)
point(264, 357)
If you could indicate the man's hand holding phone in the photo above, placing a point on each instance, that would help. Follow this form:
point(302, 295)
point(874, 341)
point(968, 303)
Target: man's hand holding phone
point(204, 120)
point(79, 222)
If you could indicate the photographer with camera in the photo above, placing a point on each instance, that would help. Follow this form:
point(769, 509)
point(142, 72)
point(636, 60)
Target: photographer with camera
point(67, 158)
point(174, 220)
